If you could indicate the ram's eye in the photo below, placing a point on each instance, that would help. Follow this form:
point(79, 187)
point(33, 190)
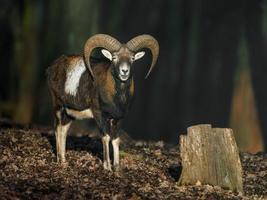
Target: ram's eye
point(114, 58)
point(132, 58)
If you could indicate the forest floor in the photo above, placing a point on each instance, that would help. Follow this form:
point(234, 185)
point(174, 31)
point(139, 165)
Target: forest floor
point(149, 170)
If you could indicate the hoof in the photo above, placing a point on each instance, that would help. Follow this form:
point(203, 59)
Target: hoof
point(62, 162)
point(116, 168)
point(107, 166)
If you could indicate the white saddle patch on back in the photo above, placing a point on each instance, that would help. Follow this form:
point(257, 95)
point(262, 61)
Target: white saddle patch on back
point(73, 78)
point(84, 114)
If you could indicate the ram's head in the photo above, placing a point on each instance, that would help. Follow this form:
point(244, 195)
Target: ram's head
point(121, 55)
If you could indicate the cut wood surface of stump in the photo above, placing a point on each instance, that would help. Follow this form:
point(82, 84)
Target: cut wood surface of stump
point(210, 156)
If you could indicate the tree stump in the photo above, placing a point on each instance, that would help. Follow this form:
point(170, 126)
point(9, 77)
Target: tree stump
point(210, 156)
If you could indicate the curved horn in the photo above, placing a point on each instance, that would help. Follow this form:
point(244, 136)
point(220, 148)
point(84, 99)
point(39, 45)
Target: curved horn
point(145, 41)
point(99, 40)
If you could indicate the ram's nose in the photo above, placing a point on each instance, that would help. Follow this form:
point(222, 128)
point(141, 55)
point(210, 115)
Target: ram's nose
point(125, 71)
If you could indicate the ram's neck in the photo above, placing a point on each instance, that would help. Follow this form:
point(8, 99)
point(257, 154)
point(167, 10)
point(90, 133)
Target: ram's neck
point(115, 96)
point(124, 93)
point(116, 86)
point(125, 86)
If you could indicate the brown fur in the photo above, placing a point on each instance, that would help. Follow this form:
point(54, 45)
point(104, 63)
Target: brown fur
point(87, 90)
point(99, 90)
point(56, 81)
point(132, 87)
point(101, 96)
point(109, 85)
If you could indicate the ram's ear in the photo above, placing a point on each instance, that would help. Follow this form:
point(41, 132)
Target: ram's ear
point(139, 55)
point(107, 54)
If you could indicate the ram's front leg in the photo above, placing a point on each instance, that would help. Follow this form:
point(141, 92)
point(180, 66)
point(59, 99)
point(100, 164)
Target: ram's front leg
point(116, 153)
point(103, 125)
point(106, 157)
point(115, 127)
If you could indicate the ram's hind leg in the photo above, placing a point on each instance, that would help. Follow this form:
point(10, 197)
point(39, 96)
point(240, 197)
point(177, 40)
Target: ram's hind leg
point(62, 127)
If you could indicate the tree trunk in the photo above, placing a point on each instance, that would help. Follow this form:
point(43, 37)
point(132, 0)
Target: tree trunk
point(26, 58)
point(210, 156)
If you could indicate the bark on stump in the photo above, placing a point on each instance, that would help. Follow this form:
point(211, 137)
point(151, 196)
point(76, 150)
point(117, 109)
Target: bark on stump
point(210, 156)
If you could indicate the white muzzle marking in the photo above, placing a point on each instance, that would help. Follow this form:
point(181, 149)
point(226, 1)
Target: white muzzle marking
point(124, 71)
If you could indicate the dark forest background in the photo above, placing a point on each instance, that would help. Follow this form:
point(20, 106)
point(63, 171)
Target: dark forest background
point(211, 68)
